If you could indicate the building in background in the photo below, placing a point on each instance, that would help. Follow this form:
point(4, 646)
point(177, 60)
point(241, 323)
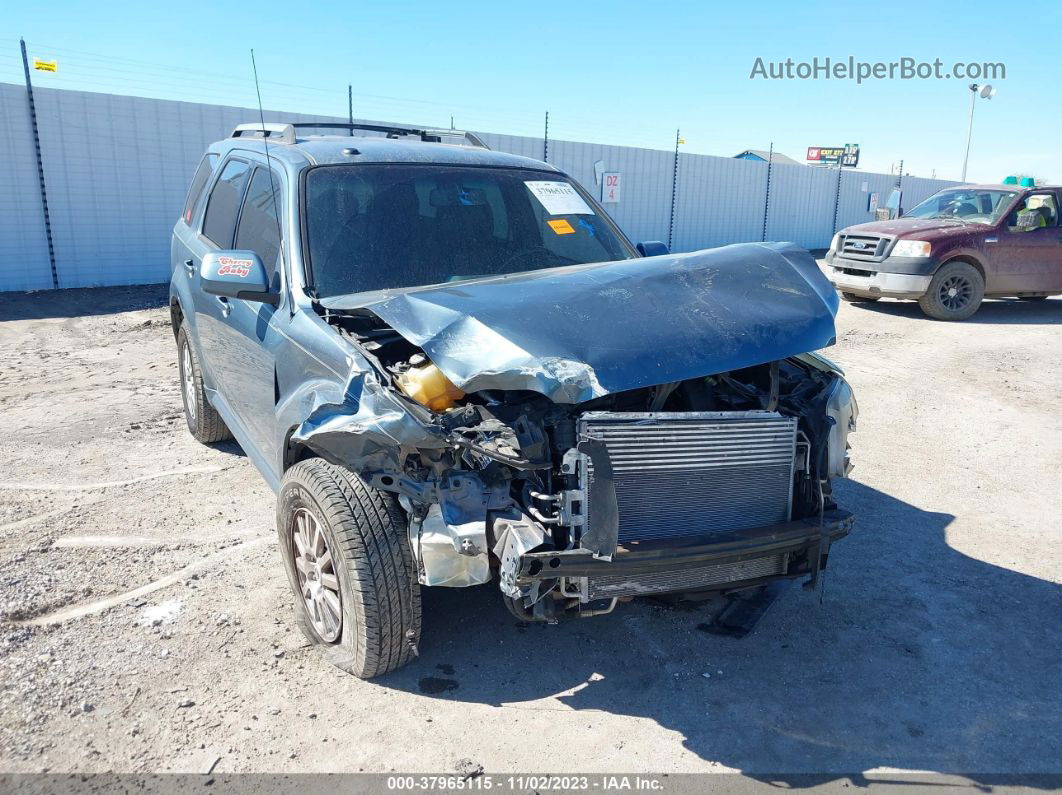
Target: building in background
point(762, 155)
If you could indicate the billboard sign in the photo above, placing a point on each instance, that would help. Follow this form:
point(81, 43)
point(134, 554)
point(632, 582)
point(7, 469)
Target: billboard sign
point(846, 156)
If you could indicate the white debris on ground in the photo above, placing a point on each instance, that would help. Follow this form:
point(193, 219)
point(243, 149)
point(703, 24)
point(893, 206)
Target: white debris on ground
point(162, 613)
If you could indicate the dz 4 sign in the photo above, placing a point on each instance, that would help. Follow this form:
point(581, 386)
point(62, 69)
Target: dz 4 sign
point(610, 187)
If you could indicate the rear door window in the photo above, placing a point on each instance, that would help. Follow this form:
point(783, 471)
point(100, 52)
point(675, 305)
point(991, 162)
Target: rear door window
point(259, 229)
point(199, 181)
point(219, 224)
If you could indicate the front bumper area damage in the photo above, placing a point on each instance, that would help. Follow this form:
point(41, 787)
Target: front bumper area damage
point(587, 434)
point(729, 561)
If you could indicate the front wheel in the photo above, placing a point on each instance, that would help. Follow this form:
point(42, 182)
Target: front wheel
point(955, 292)
point(348, 558)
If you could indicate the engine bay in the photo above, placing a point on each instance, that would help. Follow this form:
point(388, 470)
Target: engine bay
point(501, 473)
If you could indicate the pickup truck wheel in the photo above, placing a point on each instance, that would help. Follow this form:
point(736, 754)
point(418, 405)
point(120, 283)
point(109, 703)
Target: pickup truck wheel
point(852, 298)
point(348, 558)
point(204, 423)
point(955, 292)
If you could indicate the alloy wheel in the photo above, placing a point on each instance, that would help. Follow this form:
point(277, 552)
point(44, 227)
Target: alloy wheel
point(318, 583)
point(188, 381)
point(955, 293)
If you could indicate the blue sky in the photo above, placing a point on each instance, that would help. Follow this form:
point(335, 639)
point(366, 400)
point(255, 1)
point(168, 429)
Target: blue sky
point(617, 72)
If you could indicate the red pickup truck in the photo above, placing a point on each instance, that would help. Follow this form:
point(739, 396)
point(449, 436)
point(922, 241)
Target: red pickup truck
point(955, 248)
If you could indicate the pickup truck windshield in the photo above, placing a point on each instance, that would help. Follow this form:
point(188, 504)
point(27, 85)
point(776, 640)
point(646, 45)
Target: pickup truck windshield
point(378, 226)
point(965, 204)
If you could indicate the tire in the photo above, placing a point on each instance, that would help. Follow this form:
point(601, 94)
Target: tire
point(955, 292)
point(204, 422)
point(852, 298)
point(356, 592)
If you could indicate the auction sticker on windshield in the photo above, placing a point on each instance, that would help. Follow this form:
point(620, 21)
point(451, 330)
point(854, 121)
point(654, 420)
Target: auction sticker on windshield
point(559, 198)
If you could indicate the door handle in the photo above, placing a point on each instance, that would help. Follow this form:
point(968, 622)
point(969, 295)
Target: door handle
point(190, 267)
point(226, 307)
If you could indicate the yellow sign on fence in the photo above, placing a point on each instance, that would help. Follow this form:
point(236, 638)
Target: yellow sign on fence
point(45, 66)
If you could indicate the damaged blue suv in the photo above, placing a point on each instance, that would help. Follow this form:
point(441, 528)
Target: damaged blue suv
point(454, 369)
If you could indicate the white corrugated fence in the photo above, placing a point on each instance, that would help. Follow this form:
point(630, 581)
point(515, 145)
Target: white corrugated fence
point(117, 168)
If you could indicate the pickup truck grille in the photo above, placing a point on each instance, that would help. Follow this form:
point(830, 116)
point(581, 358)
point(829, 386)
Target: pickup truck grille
point(864, 246)
point(691, 473)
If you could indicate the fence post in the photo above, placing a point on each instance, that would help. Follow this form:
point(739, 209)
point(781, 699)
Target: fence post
point(767, 194)
point(545, 141)
point(674, 189)
point(837, 200)
point(40, 165)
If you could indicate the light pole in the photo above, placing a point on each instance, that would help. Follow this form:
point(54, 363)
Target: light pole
point(987, 92)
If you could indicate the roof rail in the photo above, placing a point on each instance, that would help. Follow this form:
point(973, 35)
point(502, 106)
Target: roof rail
point(391, 131)
point(284, 133)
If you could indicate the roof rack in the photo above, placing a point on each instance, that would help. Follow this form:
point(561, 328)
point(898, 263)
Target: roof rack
point(428, 135)
point(284, 133)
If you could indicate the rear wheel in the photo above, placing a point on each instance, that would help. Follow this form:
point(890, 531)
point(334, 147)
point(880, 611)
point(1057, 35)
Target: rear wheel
point(349, 562)
point(852, 298)
point(955, 292)
point(204, 423)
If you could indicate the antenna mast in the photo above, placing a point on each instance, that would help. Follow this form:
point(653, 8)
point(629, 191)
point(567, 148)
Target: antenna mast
point(269, 160)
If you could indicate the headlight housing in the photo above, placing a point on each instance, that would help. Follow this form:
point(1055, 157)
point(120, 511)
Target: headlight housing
point(911, 248)
point(842, 409)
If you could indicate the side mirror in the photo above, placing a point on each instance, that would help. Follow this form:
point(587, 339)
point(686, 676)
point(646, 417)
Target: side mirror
point(652, 248)
point(893, 204)
point(236, 274)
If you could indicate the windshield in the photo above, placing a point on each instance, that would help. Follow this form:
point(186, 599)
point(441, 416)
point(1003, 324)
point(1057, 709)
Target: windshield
point(967, 205)
point(371, 227)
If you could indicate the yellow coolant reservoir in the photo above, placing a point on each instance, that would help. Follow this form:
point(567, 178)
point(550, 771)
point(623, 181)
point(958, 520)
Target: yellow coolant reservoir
point(428, 386)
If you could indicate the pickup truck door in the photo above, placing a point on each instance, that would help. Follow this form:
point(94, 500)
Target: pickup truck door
point(1030, 261)
point(251, 331)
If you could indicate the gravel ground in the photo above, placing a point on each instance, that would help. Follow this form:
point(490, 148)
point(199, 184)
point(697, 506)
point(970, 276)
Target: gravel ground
point(934, 647)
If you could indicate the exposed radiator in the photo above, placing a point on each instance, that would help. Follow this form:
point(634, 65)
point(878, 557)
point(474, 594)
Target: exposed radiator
point(607, 586)
point(690, 473)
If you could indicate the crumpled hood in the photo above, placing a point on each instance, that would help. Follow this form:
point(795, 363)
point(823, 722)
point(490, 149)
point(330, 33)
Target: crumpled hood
point(580, 332)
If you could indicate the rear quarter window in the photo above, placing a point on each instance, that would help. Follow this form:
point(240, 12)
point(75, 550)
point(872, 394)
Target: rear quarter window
point(199, 181)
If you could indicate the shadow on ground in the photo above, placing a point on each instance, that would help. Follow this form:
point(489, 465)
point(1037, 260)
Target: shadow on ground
point(229, 447)
point(918, 657)
point(1000, 311)
point(81, 301)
